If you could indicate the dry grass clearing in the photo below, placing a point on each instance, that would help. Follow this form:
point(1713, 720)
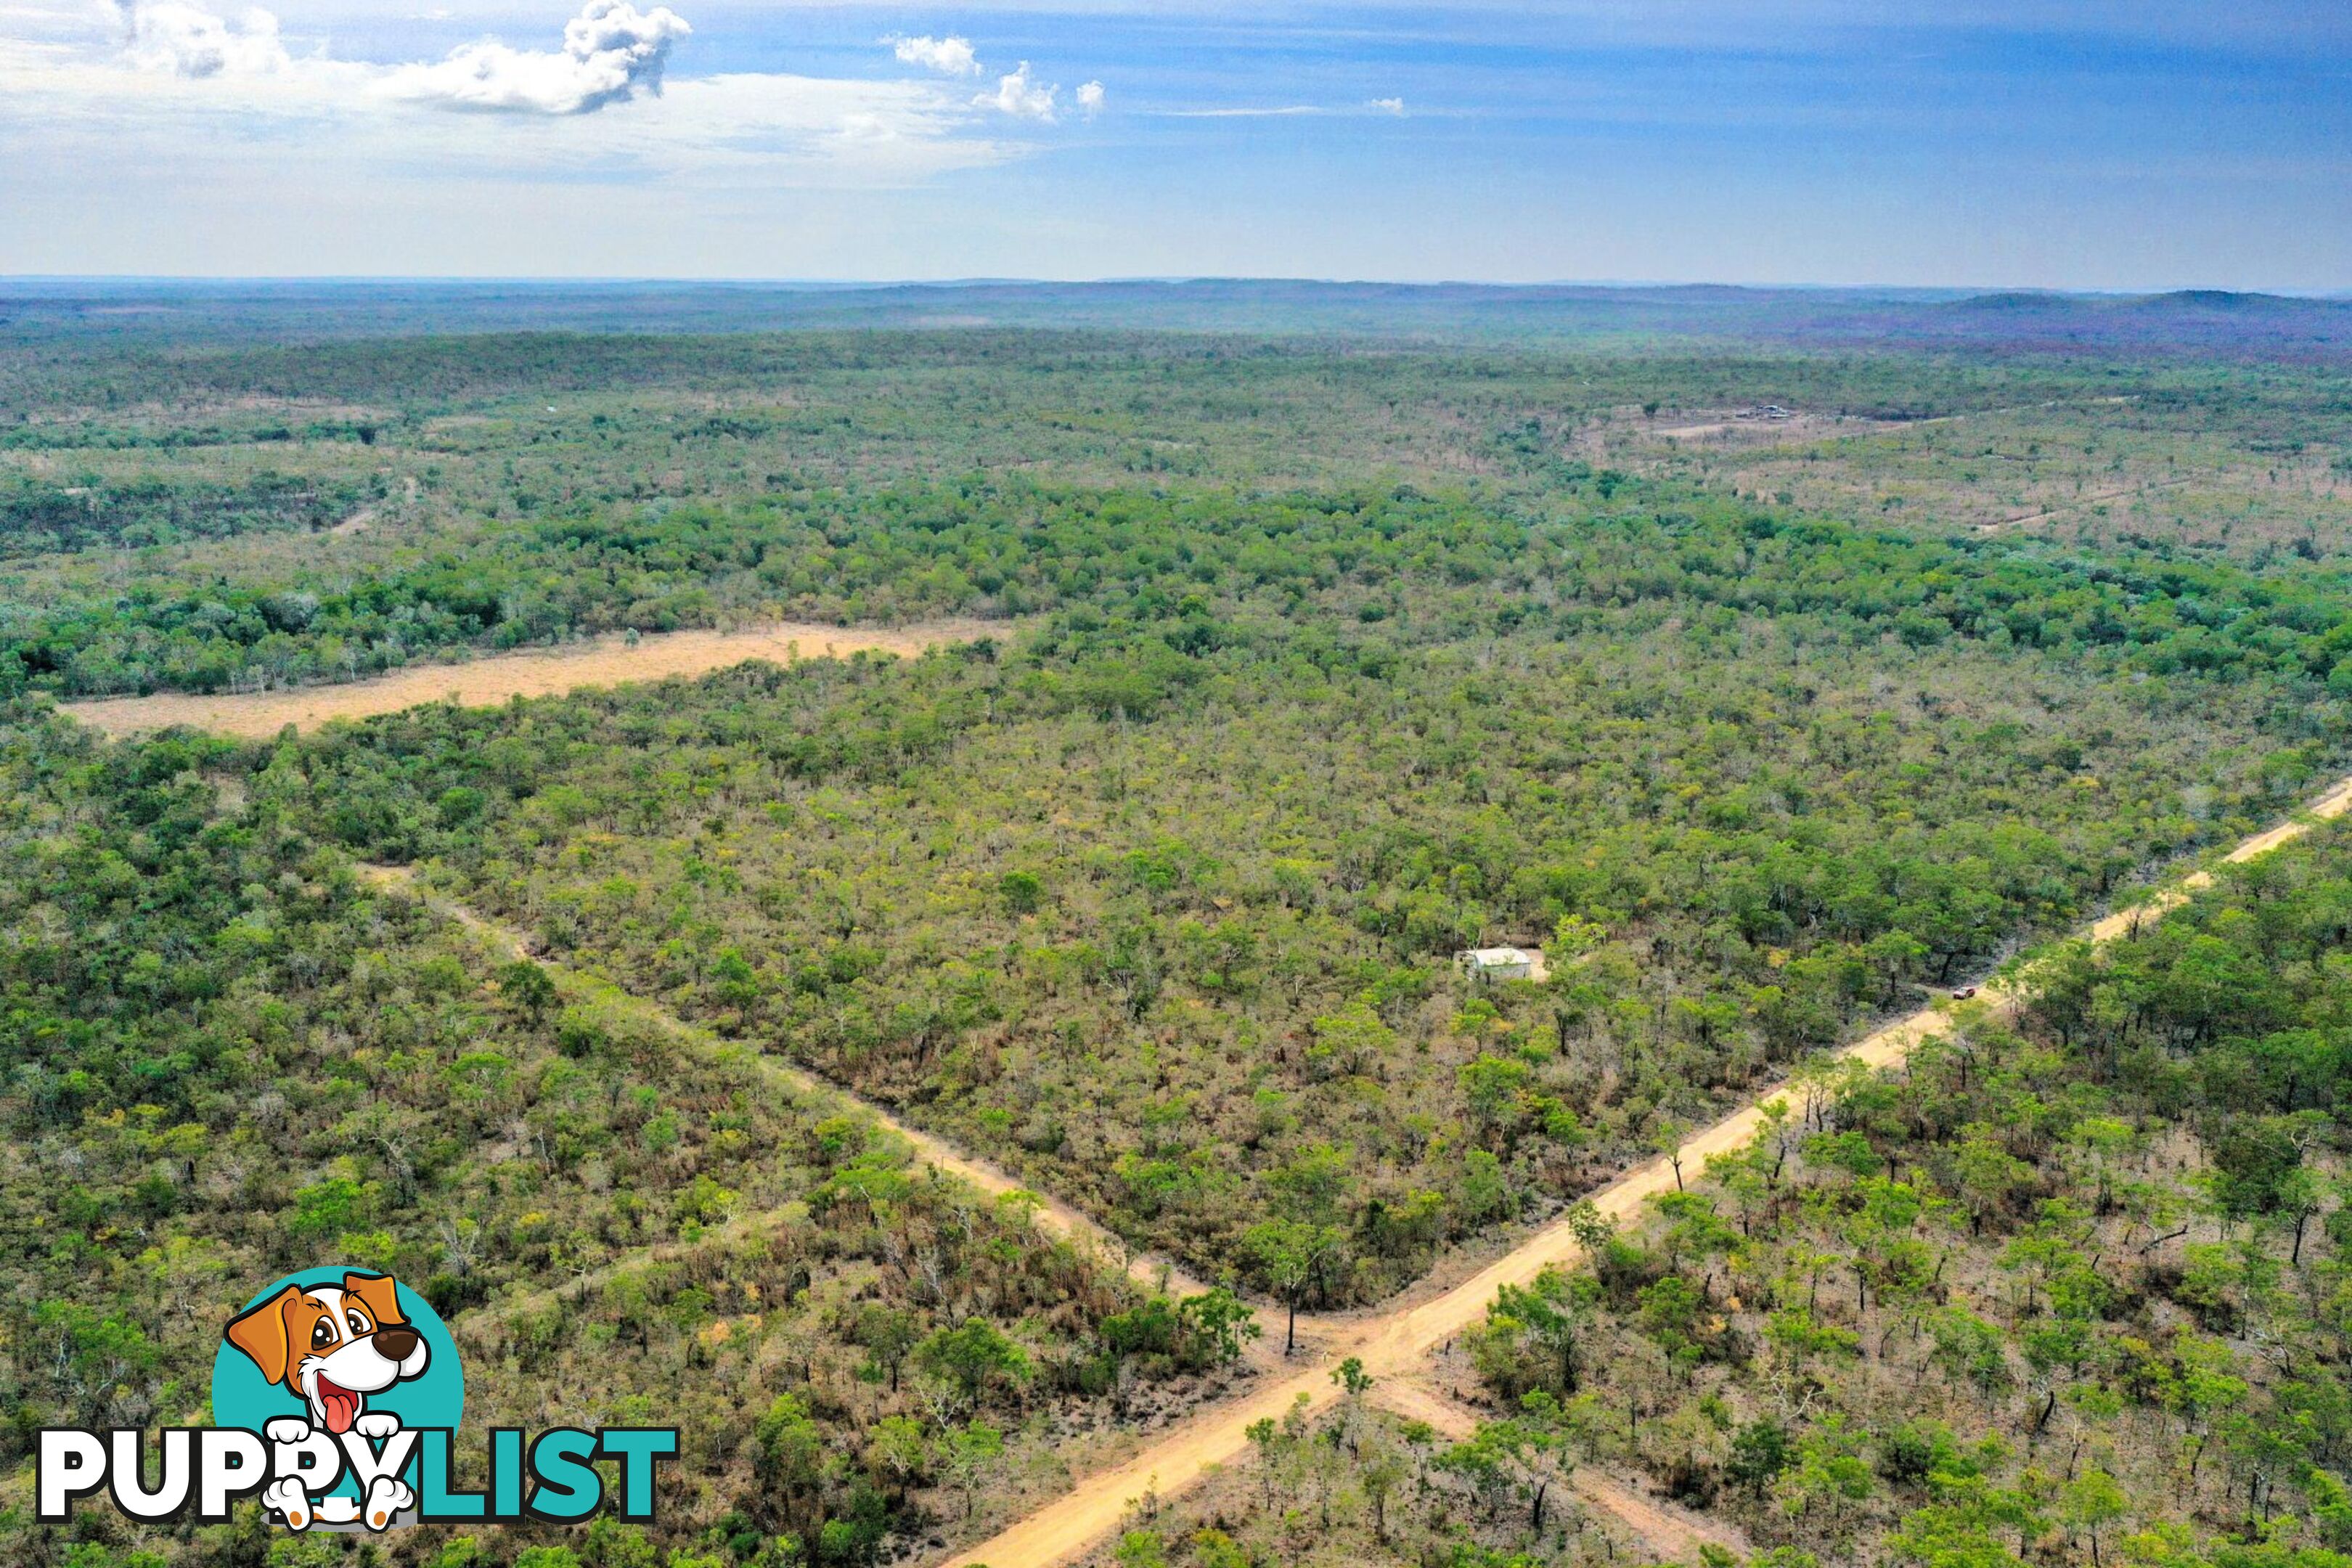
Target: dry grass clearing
point(604, 661)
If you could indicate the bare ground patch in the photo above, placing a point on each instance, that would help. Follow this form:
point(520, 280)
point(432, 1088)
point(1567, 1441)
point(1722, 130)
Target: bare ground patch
point(604, 661)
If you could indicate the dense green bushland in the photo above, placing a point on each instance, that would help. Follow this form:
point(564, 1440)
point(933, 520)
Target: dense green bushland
point(1011, 548)
point(223, 1060)
point(1159, 902)
point(2077, 1287)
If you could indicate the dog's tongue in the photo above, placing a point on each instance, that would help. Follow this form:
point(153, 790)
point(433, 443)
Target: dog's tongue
point(343, 1407)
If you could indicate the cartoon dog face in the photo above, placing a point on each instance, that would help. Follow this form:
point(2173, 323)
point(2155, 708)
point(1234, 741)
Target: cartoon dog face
point(332, 1347)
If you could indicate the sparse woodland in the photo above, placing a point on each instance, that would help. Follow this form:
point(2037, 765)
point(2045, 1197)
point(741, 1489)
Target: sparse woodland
point(227, 1059)
point(2070, 1290)
point(1159, 909)
point(2074, 1286)
point(1318, 661)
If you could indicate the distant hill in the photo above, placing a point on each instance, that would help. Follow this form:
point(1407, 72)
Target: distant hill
point(2202, 323)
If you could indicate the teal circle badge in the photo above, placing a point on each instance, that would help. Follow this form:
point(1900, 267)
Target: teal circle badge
point(342, 1351)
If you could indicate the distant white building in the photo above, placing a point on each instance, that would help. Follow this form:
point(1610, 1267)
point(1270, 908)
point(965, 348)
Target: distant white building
point(1497, 963)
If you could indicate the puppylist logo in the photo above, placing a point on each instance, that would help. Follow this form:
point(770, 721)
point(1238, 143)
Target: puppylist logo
point(338, 1394)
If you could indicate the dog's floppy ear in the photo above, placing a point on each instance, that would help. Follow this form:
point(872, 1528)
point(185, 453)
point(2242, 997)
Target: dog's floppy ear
point(379, 1294)
point(260, 1332)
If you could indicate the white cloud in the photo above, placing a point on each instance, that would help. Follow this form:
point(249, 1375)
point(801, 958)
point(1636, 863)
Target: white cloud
point(949, 56)
point(610, 51)
point(174, 84)
point(186, 40)
point(1090, 99)
point(1387, 105)
point(1020, 97)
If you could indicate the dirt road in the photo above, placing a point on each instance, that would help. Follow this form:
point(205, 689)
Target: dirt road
point(605, 661)
point(1051, 1216)
point(1801, 426)
point(1392, 1346)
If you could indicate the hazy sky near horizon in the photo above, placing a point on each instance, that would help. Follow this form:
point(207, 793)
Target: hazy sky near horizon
point(2087, 143)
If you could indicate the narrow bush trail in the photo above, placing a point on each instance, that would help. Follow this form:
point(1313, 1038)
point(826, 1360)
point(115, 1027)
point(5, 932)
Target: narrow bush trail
point(2097, 498)
point(545, 672)
point(1054, 1217)
point(1668, 1532)
point(1392, 1346)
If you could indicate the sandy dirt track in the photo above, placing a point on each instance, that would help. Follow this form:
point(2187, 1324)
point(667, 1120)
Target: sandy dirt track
point(1392, 1346)
point(547, 672)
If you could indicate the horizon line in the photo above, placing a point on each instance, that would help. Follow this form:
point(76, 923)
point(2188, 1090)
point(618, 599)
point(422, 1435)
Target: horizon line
point(848, 285)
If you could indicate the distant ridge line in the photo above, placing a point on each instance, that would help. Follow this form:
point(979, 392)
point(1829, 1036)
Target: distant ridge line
point(2194, 323)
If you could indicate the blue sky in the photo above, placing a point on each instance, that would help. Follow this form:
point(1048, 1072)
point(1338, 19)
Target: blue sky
point(2014, 142)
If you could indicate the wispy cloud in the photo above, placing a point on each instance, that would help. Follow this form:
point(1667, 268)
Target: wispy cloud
point(1090, 99)
point(1239, 111)
point(1382, 106)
